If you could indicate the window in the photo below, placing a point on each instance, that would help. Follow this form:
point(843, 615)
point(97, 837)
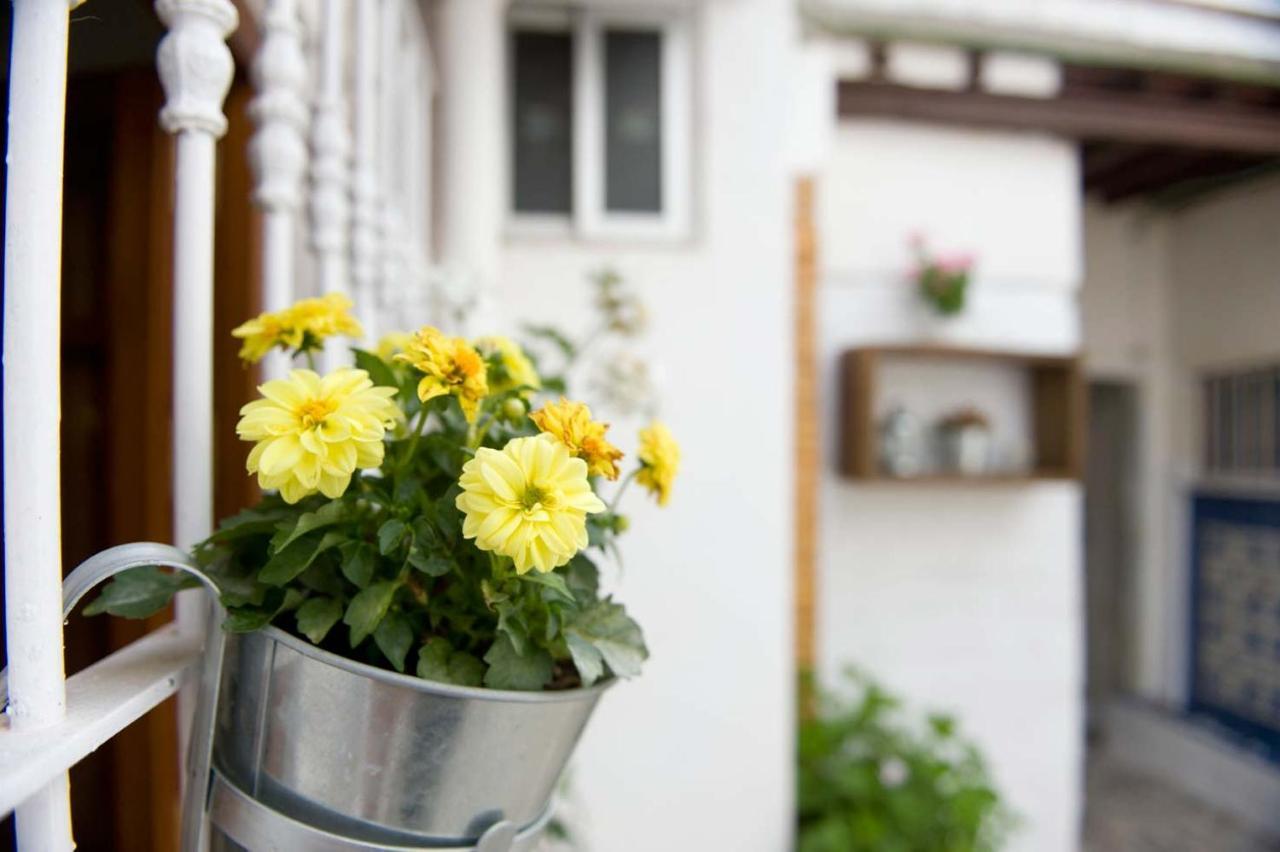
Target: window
point(542, 125)
point(599, 124)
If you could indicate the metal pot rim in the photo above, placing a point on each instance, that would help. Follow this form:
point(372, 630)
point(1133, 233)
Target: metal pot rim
point(449, 690)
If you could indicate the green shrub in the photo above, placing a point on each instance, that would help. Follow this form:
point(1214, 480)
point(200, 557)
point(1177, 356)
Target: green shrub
point(870, 780)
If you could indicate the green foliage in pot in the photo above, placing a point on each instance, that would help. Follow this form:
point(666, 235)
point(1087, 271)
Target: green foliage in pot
point(943, 280)
point(423, 513)
point(871, 781)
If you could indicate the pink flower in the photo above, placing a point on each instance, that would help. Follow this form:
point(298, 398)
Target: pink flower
point(955, 263)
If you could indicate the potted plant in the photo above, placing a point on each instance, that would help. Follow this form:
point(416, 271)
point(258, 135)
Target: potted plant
point(869, 780)
point(943, 281)
point(416, 633)
point(966, 441)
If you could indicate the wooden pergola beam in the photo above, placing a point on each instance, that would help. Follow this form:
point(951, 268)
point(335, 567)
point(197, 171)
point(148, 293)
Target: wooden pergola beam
point(1139, 117)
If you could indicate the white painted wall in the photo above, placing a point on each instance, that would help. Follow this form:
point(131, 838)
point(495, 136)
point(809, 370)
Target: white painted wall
point(964, 599)
point(697, 753)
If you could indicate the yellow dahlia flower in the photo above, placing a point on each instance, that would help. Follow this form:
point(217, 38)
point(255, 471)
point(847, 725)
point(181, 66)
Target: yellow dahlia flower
point(570, 423)
point(312, 433)
point(391, 343)
point(308, 322)
point(449, 365)
point(659, 456)
point(528, 501)
point(515, 364)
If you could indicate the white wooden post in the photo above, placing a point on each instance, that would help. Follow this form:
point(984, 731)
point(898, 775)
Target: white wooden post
point(32, 360)
point(330, 144)
point(196, 69)
point(278, 153)
point(364, 176)
point(391, 267)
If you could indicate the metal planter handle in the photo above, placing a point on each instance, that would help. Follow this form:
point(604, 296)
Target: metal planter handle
point(116, 560)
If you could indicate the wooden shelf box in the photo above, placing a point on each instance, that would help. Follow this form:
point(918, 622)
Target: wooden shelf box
point(1054, 410)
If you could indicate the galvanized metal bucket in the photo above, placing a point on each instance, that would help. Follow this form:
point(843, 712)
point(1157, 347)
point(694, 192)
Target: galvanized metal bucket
point(295, 749)
point(383, 757)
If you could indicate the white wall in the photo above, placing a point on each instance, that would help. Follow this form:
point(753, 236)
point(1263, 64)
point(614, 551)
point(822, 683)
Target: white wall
point(697, 753)
point(965, 599)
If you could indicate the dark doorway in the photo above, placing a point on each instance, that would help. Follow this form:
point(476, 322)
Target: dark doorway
point(1110, 515)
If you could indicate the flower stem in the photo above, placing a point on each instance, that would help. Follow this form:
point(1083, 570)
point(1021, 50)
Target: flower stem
point(413, 441)
point(622, 487)
point(311, 360)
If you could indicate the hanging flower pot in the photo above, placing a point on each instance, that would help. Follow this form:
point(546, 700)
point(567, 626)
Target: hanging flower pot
point(415, 634)
point(385, 757)
point(943, 281)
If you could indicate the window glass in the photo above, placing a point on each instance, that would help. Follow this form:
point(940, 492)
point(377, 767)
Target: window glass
point(543, 121)
point(633, 120)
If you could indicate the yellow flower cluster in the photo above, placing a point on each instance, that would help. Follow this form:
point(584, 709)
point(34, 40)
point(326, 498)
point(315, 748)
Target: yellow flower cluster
point(659, 456)
point(570, 423)
point(528, 501)
point(517, 369)
point(450, 365)
point(308, 322)
point(313, 433)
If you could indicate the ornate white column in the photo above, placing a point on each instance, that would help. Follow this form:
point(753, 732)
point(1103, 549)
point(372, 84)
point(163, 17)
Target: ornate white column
point(364, 173)
point(473, 172)
point(330, 149)
point(278, 153)
point(195, 69)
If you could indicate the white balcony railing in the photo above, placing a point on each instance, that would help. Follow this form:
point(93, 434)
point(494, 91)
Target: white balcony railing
point(341, 156)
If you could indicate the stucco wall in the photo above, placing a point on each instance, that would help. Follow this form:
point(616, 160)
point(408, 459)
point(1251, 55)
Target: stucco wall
point(964, 599)
point(697, 753)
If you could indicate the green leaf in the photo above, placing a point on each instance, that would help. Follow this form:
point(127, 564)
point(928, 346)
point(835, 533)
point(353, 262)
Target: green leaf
point(510, 670)
point(444, 453)
point(258, 520)
point(367, 609)
point(465, 670)
point(297, 557)
point(433, 659)
point(433, 565)
point(389, 536)
point(140, 592)
point(554, 583)
point(247, 619)
point(317, 616)
point(512, 625)
point(380, 372)
point(438, 661)
point(586, 657)
point(607, 628)
point(393, 637)
point(322, 577)
point(583, 578)
point(358, 563)
point(326, 516)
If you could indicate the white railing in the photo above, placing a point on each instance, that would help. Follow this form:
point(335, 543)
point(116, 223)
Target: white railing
point(345, 102)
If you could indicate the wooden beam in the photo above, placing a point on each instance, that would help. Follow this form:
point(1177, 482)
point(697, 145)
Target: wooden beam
point(1135, 117)
point(1104, 159)
point(1166, 170)
point(806, 433)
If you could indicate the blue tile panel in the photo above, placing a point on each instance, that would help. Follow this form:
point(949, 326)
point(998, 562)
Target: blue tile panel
point(1235, 617)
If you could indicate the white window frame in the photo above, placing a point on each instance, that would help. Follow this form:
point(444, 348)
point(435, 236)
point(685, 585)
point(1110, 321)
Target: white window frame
point(589, 218)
